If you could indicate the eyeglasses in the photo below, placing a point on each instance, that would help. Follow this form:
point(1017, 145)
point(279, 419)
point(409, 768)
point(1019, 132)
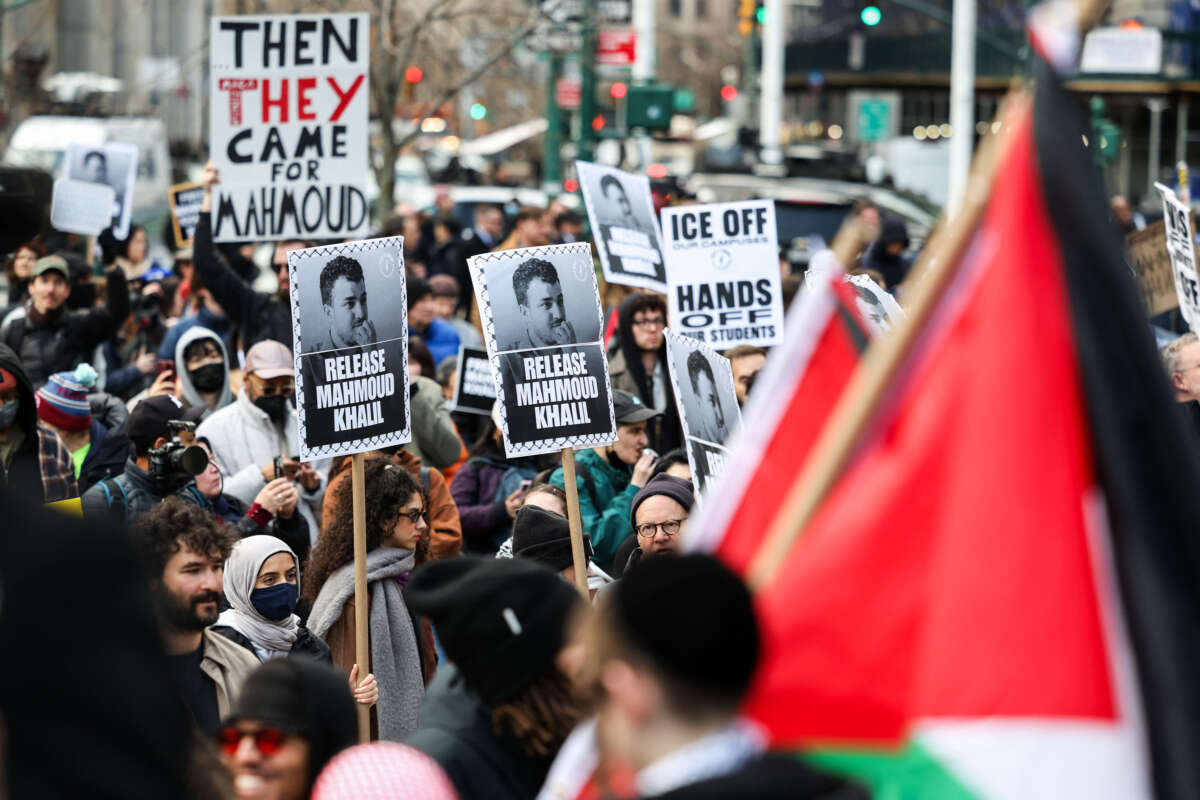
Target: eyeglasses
point(413, 516)
point(267, 741)
point(653, 322)
point(670, 527)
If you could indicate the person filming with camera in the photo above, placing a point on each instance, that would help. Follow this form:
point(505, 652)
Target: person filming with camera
point(165, 459)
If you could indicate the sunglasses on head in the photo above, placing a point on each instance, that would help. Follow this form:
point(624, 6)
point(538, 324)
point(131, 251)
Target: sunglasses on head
point(267, 741)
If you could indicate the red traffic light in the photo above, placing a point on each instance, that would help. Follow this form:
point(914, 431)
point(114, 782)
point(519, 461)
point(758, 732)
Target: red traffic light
point(571, 185)
point(728, 92)
point(413, 74)
point(657, 171)
point(618, 90)
point(598, 122)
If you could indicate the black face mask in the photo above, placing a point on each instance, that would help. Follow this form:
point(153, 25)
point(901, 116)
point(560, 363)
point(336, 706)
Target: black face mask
point(208, 378)
point(275, 405)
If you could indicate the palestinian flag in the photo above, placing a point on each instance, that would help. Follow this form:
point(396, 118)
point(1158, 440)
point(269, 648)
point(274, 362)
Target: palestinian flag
point(792, 398)
point(998, 593)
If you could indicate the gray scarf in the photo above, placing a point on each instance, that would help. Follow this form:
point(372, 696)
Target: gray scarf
point(395, 659)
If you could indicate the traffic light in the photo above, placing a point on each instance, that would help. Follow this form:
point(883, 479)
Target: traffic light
point(478, 111)
point(729, 92)
point(617, 90)
point(870, 16)
point(413, 74)
point(746, 17)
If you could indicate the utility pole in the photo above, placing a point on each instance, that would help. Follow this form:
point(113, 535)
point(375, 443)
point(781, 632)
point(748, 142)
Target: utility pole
point(962, 100)
point(645, 58)
point(587, 84)
point(552, 157)
point(770, 104)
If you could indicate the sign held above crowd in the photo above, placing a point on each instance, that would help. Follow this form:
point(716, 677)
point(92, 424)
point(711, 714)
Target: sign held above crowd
point(288, 125)
point(185, 200)
point(723, 273)
point(474, 390)
point(702, 380)
point(624, 226)
point(542, 325)
point(1181, 245)
point(351, 364)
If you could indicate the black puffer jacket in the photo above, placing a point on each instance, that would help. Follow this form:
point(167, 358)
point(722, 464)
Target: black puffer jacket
point(106, 457)
point(126, 497)
point(69, 337)
point(259, 315)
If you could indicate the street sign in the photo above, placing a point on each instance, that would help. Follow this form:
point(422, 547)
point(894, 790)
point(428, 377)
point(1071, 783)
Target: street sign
point(568, 93)
point(548, 39)
point(874, 116)
point(614, 13)
point(615, 47)
point(650, 107)
point(1122, 51)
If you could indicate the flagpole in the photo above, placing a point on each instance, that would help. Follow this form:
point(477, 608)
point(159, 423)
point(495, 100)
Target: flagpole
point(867, 387)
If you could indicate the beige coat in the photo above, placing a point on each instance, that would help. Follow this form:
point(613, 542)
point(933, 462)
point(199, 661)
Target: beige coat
point(228, 664)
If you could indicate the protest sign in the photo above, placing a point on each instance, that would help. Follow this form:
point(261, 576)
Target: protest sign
point(1181, 245)
point(723, 273)
point(184, 200)
point(542, 326)
point(1151, 264)
point(474, 390)
point(702, 380)
point(878, 308)
point(288, 125)
point(351, 364)
point(81, 207)
point(623, 225)
point(112, 164)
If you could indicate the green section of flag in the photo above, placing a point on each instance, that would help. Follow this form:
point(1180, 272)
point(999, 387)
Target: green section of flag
point(911, 774)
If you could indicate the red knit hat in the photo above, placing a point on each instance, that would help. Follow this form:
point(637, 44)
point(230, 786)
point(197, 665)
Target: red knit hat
point(63, 402)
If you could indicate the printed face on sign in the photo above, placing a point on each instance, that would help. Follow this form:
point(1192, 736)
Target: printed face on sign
point(344, 299)
point(710, 425)
point(95, 167)
point(540, 299)
point(541, 320)
point(617, 203)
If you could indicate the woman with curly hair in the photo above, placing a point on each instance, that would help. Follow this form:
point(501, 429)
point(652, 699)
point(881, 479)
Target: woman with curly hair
point(396, 534)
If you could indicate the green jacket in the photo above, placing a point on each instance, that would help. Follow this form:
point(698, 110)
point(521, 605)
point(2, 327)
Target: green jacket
point(605, 498)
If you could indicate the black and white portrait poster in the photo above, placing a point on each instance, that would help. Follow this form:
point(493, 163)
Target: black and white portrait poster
point(474, 389)
point(542, 326)
point(624, 226)
point(878, 308)
point(350, 342)
point(723, 273)
point(288, 102)
point(112, 164)
point(703, 383)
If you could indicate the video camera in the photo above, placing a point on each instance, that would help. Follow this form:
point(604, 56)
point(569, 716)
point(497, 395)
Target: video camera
point(174, 464)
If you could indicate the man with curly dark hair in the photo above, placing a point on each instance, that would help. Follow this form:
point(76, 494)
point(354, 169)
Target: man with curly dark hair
point(183, 549)
point(344, 301)
point(540, 303)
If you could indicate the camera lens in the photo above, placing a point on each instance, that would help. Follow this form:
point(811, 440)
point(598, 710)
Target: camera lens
point(191, 460)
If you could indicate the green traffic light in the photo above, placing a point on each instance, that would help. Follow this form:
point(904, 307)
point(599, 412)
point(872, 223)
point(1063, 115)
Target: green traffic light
point(760, 15)
point(478, 111)
point(870, 16)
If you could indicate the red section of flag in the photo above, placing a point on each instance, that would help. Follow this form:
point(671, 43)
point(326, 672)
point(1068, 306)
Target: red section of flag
point(948, 572)
point(814, 393)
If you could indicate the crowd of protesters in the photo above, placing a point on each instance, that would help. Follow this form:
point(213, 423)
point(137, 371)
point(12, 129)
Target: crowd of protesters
point(164, 399)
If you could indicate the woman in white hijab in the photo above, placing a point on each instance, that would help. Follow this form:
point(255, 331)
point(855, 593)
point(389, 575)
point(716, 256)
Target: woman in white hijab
point(262, 584)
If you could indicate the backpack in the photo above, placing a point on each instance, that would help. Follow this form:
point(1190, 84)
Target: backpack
point(106, 486)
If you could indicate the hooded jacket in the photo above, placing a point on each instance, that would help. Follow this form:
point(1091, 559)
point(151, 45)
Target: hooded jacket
point(243, 438)
point(41, 466)
point(259, 315)
point(892, 268)
point(191, 397)
point(627, 373)
point(105, 457)
point(605, 499)
point(201, 318)
point(70, 337)
point(127, 496)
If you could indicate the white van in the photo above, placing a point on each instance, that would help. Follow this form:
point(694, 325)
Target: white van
point(42, 142)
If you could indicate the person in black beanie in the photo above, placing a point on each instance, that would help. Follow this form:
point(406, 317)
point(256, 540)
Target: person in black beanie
point(495, 718)
point(292, 717)
point(545, 537)
point(657, 514)
point(674, 647)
